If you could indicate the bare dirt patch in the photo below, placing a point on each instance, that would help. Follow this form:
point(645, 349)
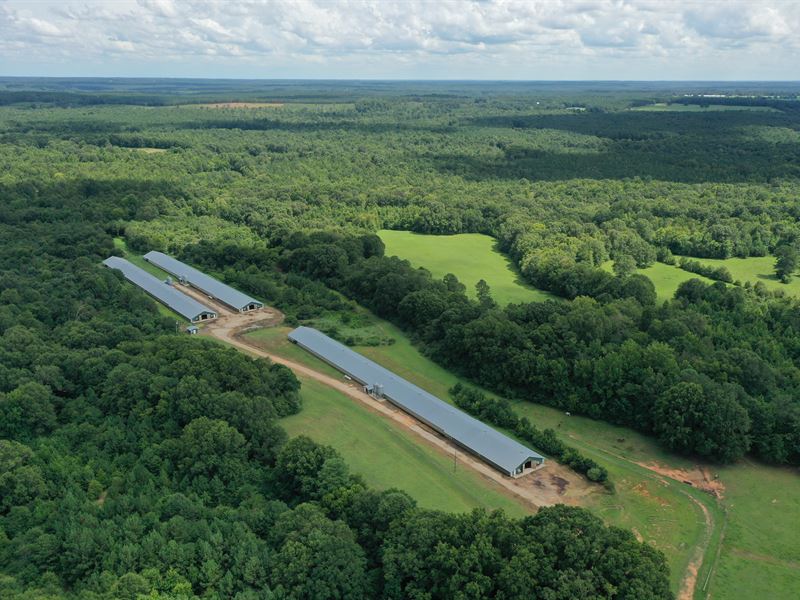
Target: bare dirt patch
point(700, 477)
point(214, 105)
point(150, 150)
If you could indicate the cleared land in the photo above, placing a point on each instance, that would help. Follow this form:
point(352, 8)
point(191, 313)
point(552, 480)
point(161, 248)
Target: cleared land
point(554, 484)
point(664, 107)
point(388, 456)
point(659, 512)
point(666, 278)
point(758, 509)
point(755, 269)
point(468, 256)
point(236, 105)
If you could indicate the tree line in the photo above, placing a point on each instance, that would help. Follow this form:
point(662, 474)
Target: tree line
point(699, 372)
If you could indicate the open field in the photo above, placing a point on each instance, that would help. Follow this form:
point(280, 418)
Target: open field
point(656, 512)
point(666, 513)
point(468, 256)
point(664, 107)
point(755, 269)
point(236, 105)
point(371, 446)
point(665, 277)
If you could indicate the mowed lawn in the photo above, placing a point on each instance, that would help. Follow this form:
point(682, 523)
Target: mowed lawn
point(388, 456)
point(665, 278)
point(469, 256)
point(755, 269)
point(762, 503)
point(760, 553)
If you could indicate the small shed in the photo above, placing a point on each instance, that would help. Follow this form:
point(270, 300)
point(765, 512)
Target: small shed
point(192, 330)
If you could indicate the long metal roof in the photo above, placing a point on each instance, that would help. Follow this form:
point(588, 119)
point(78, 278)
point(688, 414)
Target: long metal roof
point(213, 287)
point(490, 444)
point(176, 300)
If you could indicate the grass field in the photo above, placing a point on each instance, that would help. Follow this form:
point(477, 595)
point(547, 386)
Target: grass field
point(663, 512)
point(468, 256)
point(659, 514)
point(387, 456)
point(666, 278)
point(755, 269)
point(664, 107)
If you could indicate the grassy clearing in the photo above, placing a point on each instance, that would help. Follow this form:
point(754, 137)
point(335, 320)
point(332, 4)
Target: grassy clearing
point(664, 107)
point(468, 256)
point(756, 269)
point(761, 505)
point(274, 340)
point(389, 457)
point(666, 278)
point(760, 556)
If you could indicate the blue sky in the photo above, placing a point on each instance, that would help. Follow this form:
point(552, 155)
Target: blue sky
point(411, 39)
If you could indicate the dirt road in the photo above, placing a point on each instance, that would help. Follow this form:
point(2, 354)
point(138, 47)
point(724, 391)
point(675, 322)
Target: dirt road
point(551, 484)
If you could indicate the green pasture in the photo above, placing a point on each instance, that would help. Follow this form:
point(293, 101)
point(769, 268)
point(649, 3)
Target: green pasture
point(469, 256)
point(388, 456)
point(758, 512)
point(760, 555)
point(664, 107)
point(666, 278)
point(756, 269)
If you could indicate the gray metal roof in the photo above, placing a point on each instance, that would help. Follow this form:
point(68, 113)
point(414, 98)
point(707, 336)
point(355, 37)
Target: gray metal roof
point(213, 287)
point(490, 444)
point(164, 293)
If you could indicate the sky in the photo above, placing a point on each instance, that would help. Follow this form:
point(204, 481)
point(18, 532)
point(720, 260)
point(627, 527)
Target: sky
point(410, 39)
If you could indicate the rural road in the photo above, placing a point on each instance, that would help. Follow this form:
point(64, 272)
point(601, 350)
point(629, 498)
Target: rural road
point(549, 485)
point(535, 490)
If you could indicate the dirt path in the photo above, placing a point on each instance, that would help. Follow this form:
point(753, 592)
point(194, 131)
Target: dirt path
point(701, 479)
point(689, 582)
point(551, 484)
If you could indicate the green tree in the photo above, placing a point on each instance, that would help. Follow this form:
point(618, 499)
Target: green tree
point(624, 265)
point(27, 411)
point(20, 480)
point(786, 262)
point(317, 559)
point(707, 421)
point(484, 294)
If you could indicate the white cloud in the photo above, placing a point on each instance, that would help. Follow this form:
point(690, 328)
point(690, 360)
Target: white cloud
point(402, 38)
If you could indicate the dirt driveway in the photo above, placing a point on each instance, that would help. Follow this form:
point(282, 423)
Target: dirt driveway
point(551, 484)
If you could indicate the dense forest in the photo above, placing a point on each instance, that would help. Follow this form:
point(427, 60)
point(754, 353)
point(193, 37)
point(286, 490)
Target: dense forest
point(136, 462)
point(139, 462)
